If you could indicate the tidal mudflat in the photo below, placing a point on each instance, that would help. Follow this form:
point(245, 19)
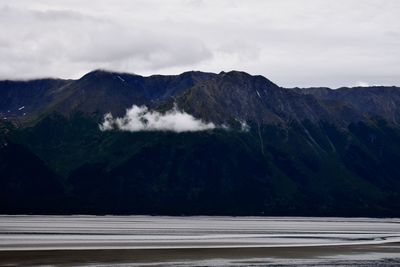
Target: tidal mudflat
point(198, 241)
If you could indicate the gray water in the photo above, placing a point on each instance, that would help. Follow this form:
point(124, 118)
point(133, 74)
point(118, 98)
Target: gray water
point(192, 241)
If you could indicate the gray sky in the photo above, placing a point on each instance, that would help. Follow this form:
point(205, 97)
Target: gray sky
point(291, 42)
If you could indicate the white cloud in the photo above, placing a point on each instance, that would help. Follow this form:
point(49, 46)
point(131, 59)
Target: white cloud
point(141, 119)
point(69, 43)
point(292, 42)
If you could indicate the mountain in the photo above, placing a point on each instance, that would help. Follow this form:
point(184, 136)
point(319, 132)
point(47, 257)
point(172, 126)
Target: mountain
point(25, 178)
point(273, 150)
point(19, 98)
point(371, 101)
point(220, 98)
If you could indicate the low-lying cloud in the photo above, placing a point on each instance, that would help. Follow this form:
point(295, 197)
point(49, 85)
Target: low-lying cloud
point(140, 118)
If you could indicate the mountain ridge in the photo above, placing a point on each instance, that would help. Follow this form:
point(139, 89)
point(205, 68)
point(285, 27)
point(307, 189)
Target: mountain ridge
point(220, 98)
point(310, 152)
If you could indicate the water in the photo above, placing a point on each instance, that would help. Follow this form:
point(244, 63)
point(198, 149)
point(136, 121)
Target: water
point(192, 241)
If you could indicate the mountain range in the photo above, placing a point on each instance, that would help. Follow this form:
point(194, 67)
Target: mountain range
point(257, 148)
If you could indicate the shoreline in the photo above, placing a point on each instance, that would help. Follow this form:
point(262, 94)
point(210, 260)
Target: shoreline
point(190, 247)
point(275, 255)
point(197, 241)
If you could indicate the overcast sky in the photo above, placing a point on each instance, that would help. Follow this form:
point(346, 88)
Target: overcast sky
point(292, 42)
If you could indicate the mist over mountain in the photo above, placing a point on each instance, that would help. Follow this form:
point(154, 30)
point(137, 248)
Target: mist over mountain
point(197, 143)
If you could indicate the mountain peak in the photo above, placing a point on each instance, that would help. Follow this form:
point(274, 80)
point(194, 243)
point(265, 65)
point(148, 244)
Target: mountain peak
point(215, 97)
point(98, 73)
point(240, 78)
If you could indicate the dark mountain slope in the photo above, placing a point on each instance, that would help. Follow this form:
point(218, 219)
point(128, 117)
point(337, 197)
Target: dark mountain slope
point(21, 98)
point(370, 101)
point(27, 185)
point(302, 169)
point(221, 98)
point(304, 152)
point(99, 92)
point(240, 96)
